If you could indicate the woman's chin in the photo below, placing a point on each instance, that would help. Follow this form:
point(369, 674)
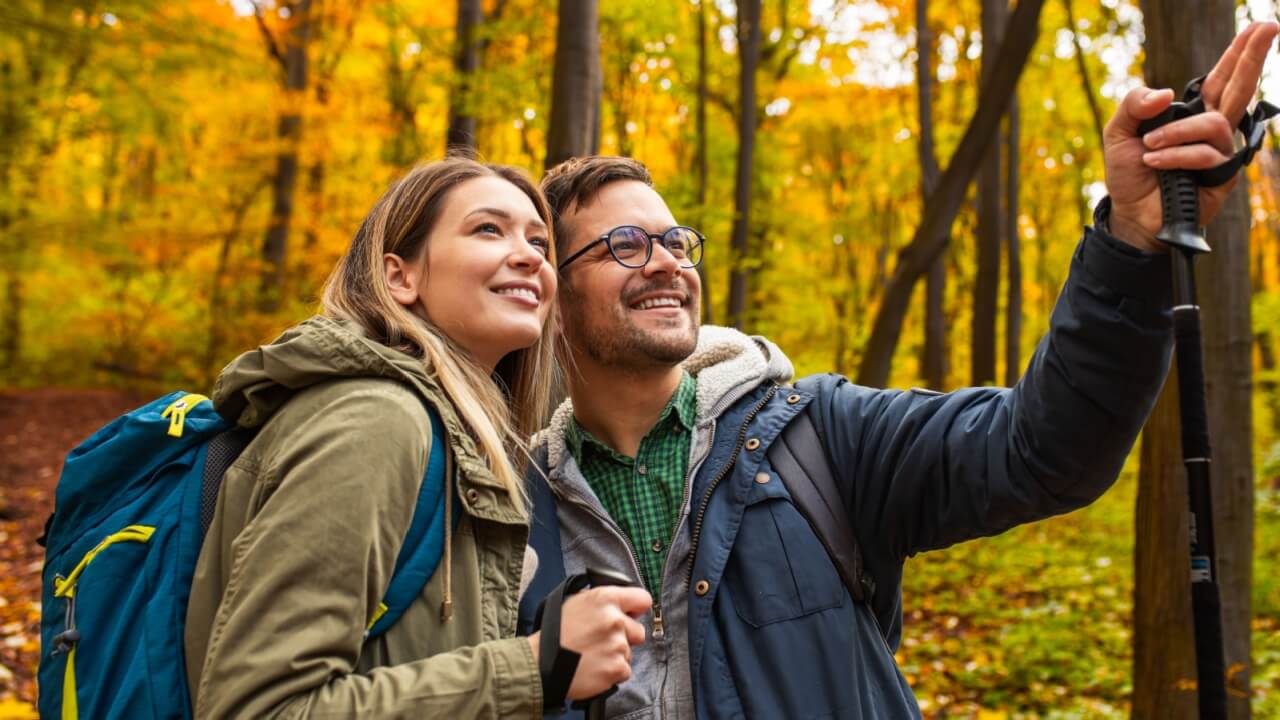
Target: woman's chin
point(509, 338)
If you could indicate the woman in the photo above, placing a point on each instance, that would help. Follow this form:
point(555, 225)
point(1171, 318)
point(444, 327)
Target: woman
point(448, 284)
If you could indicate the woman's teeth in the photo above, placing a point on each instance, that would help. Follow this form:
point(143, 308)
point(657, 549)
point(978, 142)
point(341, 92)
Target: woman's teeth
point(519, 292)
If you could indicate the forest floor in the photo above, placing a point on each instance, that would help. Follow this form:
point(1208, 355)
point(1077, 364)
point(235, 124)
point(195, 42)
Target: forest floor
point(1032, 624)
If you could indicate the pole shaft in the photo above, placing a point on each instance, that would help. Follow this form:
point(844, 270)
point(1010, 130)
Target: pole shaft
point(1205, 599)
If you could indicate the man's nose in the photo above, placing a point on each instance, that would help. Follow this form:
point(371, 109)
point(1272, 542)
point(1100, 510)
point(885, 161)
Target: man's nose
point(662, 261)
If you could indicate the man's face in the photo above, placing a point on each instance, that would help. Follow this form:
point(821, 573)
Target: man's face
point(620, 316)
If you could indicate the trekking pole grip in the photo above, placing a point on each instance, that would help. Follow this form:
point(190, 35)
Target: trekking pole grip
point(557, 664)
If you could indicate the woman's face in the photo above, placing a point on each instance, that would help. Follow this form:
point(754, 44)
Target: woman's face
point(484, 279)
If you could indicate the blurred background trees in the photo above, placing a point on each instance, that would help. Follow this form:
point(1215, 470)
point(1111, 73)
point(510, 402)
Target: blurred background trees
point(884, 194)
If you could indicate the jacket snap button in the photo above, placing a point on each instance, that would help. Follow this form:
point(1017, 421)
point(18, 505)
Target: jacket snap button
point(752, 444)
point(702, 587)
point(472, 496)
point(793, 399)
point(762, 478)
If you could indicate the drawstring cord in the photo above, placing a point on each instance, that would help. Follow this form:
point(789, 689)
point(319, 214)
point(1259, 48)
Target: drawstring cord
point(446, 605)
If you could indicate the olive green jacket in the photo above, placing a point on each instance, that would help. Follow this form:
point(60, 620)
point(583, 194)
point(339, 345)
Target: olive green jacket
point(308, 524)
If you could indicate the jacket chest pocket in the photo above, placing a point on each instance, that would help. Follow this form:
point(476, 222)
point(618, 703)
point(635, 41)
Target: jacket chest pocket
point(778, 569)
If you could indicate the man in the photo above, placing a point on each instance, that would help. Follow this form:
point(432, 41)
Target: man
point(667, 462)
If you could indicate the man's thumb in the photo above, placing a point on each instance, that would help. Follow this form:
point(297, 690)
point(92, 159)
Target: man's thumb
point(1139, 104)
point(630, 600)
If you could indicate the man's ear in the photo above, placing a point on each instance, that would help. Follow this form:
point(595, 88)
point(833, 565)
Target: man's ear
point(403, 279)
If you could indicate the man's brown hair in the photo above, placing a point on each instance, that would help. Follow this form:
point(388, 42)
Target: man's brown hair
point(574, 182)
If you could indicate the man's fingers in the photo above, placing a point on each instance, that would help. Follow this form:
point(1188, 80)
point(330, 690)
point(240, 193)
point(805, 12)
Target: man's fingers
point(1243, 82)
point(1209, 127)
point(1215, 83)
point(635, 634)
point(630, 600)
point(1185, 157)
point(1140, 104)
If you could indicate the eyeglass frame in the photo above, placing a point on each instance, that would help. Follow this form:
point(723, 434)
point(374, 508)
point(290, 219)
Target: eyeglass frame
point(648, 248)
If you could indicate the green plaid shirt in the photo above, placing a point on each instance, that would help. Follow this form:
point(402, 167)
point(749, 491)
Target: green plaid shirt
point(644, 495)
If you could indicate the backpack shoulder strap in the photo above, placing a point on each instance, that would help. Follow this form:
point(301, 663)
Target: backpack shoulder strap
point(424, 542)
point(544, 538)
point(800, 458)
point(220, 453)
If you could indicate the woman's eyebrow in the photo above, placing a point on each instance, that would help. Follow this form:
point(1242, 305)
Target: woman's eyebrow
point(536, 222)
point(489, 211)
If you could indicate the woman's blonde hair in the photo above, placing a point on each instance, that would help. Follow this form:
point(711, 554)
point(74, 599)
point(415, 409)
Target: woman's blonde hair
point(501, 410)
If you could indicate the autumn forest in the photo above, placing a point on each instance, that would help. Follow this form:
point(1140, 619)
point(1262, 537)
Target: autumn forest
point(890, 189)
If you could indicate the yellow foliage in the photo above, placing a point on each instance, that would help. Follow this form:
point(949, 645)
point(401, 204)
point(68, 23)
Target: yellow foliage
point(14, 709)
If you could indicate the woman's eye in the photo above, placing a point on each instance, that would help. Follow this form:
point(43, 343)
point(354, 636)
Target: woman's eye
point(488, 229)
point(543, 246)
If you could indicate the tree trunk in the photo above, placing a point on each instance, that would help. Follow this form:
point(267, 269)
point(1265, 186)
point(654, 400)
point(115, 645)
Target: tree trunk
point(1013, 305)
point(461, 137)
point(986, 285)
point(749, 12)
point(575, 84)
point(12, 348)
point(700, 161)
point(1164, 667)
point(217, 321)
point(930, 237)
point(933, 361)
point(289, 137)
point(10, 244)
point(1269, 159)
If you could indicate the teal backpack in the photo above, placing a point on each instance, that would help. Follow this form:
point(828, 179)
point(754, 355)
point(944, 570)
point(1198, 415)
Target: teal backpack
point(130, 514)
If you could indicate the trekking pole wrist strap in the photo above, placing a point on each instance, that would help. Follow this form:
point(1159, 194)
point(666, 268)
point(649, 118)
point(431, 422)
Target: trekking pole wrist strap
point(1252, 127)
point(556, 664)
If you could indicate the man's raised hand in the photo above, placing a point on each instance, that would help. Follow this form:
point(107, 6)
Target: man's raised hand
point(1199, 142)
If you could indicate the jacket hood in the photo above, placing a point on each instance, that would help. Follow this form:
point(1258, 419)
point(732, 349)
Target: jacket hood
point(726, 363)
point(253, 386)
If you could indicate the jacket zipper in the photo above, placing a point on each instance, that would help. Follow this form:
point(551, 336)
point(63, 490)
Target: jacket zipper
point(733, 460)
point(658, 631)
point(617, 531)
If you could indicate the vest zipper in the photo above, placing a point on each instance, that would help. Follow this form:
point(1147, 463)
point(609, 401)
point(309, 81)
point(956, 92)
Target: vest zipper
point(733, 459)
point(635, 557)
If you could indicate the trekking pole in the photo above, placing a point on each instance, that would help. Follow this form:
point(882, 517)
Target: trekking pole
point(1181, 230)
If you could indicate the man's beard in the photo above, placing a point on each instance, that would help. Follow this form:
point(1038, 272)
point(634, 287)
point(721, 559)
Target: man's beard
point(616, 341)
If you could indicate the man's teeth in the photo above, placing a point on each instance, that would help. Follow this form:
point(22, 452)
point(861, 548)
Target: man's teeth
point(520, 292)
point(657, 303)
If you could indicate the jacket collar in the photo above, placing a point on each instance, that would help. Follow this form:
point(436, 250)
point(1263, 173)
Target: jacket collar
point(255, 385)
point(726, 364)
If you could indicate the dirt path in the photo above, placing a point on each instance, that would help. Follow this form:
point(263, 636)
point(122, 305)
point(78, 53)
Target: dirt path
point(37, 429)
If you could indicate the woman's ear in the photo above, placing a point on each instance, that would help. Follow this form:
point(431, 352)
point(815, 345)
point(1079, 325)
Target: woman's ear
point(403, 279)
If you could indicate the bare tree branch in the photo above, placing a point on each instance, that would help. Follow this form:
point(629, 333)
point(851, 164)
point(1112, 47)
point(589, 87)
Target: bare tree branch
point(1085, 83)
point(930, 237)
point(273, 48)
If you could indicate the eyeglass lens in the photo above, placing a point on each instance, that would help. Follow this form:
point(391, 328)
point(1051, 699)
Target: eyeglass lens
point(631, 245)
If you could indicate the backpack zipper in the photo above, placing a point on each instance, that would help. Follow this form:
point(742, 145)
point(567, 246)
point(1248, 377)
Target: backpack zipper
point(65, 587)
point(177, 412)
point(733, 460)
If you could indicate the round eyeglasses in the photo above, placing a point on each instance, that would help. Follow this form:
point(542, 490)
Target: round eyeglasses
point(632, 246)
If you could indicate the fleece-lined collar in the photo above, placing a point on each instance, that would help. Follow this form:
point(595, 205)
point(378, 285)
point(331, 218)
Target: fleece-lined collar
point(726, 363)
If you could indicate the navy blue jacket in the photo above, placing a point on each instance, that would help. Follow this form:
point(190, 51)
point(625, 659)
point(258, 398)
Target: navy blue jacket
point(773, 630)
